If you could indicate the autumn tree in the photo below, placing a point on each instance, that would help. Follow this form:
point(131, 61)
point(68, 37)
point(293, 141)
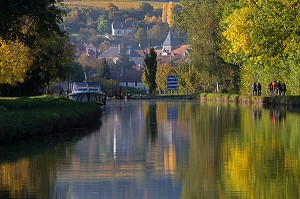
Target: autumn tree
point(164, 14)
point(104, 46)
point(149, 75)
point(262, 38)
point(36, 26)
point(170, 15)
point(15, 61)
point(87, 61)
point(163, 70)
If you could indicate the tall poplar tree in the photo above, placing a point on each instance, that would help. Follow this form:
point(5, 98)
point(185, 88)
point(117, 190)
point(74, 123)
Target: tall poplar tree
point(170, 15)
point(149, 74)
point(164, 14)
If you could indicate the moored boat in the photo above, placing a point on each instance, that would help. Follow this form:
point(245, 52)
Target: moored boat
point(87, 92)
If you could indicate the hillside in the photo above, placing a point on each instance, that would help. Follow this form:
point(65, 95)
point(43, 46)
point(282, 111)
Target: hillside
point(122, 4)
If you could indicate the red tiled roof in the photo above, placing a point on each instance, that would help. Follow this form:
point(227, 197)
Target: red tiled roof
point(174, 56)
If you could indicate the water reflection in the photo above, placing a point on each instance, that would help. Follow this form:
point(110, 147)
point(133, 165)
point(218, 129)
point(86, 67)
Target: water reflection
point(151, 122)
point(166, 149)
point(277, 115)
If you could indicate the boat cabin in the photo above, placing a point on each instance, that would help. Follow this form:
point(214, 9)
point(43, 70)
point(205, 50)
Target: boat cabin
point(86, 87)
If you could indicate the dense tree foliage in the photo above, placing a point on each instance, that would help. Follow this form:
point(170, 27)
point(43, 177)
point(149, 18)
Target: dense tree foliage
point(262, 37)
point(15, 60)
point(170, 15)
point(199, 20)
point(149, 75)
point(244, 41)
point(24, 20)
point(103, 70)
point(34, 27)
point(163, 70)
point(78, 73)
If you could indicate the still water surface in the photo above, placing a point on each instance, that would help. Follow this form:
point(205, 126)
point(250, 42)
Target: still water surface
point(165, 149)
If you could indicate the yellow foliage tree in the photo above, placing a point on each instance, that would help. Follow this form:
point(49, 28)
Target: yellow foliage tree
point(170, 15)
point(15, 60)
point(238, 31)
point(164, 14)
point(163, 70)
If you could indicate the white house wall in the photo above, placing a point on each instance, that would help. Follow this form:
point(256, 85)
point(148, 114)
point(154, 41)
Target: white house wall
point(138, 85)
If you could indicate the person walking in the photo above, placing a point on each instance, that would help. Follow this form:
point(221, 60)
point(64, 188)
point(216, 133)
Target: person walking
point(271, 88)
point(279, 88)
point(258, 89)
point(283, 88)
point(254, 89)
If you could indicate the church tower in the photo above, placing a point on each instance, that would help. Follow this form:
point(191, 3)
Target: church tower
point(169, 43)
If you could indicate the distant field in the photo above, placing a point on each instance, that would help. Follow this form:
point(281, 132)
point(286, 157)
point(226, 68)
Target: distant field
point(104, 4)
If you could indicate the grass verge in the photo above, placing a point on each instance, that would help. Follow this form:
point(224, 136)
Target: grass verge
point(31, 117)
point(274, 100)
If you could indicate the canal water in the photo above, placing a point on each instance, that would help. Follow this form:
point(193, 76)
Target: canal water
point(164, 149)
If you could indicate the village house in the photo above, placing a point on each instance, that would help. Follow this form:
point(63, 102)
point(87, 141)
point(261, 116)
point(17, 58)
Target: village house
point(112, 55)
point(171, 52)
point(88, 48)
point(122, 28)
point(129, 78)
point(91, 50)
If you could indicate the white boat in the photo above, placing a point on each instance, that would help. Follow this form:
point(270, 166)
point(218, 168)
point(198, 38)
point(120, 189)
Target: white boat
point(87, 92)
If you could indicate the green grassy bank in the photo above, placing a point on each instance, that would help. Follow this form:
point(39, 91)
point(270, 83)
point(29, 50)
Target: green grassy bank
point(275, 100)
point(26, 118)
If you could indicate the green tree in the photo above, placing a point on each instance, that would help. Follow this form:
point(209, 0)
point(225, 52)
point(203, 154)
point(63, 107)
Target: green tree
point(146, 8)
point(123, 63)
point(36, 25)
point(200, 20)
point(163, 70)
point(157, 34)
point(53, 57)
point(26, 21)
point(78, 73)
point(103, 69)
point(103, 25)
point(149, 75)
point(140, 36)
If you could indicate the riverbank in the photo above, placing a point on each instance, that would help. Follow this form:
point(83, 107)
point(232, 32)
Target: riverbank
point(34, 117)
point(273, 100)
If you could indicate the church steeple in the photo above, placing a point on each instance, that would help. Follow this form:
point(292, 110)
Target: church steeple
point(169, 43)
